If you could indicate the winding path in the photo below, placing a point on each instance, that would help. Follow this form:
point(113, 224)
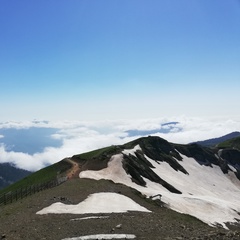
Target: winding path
point(74, 171)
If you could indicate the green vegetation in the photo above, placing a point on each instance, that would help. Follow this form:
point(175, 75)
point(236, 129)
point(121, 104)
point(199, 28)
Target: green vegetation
point(96, 153)
point(58, 169)
point(232, 143)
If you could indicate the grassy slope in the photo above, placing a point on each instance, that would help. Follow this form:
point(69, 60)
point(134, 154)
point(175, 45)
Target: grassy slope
point(58, 169)
point(95, 153)
point(44, 175)
point(232, 143)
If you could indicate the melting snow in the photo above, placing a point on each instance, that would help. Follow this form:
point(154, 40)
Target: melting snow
point(207, 193)
point(91, 217)
point(131, 151)
point(103, 236)
point(97, 203)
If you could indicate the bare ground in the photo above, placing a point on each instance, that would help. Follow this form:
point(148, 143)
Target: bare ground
point(20, 221)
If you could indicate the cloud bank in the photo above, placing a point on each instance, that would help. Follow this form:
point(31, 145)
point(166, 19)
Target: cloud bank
point(78, 137)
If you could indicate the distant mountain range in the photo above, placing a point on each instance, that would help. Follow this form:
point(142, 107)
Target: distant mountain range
point(215, 141)
point(10, 174)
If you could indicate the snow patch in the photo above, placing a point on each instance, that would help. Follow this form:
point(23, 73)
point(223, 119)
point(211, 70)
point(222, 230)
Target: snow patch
point(103, 236)
point(232, 168)
point(104, 202)
point(114, 172)
point(86, 218)
point(131, 151)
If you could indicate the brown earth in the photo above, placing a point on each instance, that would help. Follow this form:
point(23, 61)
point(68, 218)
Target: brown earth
point(20, 221)
point(74, 171)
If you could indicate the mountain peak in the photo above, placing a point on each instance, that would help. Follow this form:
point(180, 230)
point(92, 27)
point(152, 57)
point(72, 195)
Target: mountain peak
point(189, 179)
point(152, 163)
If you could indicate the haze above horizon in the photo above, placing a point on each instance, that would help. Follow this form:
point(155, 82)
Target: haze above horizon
point(96, 60)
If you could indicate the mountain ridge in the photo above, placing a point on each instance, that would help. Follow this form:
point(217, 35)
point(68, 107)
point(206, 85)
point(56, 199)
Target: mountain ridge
point(215, 141)
point(190, 179)
point(21, 173)
point(143, 163)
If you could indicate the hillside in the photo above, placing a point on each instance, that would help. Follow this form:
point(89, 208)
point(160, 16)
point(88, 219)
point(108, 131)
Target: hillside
point(215, 141)
point(147, 189)
point(19, 220)
point(47, 174)
point(10, 174)
point(231, 143)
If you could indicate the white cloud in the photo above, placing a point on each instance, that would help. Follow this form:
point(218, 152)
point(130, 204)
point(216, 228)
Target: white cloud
point(196, 129)
point(23, 125)
point(78, 137)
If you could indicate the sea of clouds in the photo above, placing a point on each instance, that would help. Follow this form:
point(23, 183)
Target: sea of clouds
point(76, 137)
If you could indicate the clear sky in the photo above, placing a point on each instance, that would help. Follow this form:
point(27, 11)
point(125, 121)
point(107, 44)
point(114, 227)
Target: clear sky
point(109, 59)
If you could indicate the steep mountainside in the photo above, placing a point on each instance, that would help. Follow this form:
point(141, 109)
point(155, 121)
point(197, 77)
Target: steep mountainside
point(190, 178)
point(232, 143)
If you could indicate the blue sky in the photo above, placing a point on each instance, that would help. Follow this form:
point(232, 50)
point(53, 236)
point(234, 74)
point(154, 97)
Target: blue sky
point(111, 59)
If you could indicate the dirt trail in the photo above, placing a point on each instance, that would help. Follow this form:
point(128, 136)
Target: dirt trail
point(74, 171)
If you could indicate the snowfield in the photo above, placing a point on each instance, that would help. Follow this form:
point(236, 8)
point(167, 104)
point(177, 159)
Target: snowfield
point(207, 193)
